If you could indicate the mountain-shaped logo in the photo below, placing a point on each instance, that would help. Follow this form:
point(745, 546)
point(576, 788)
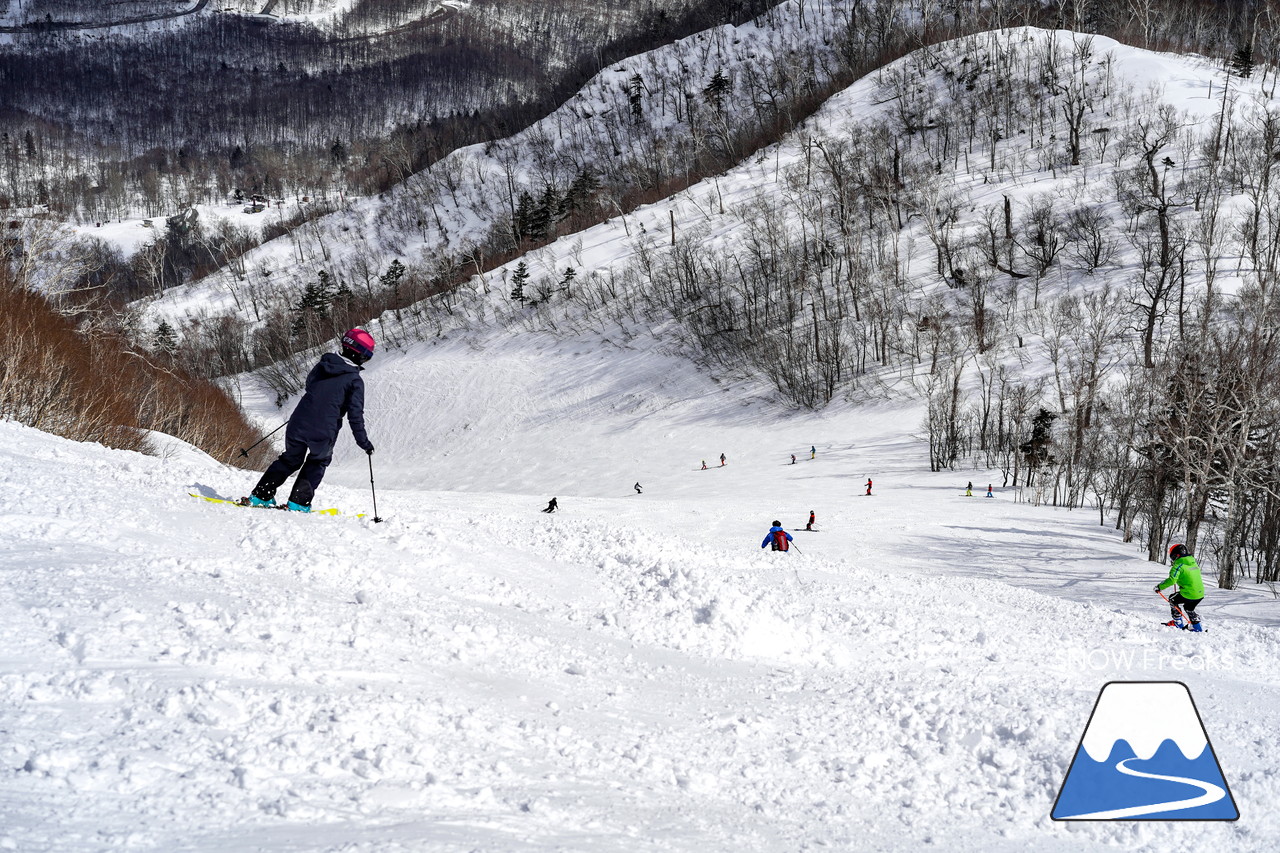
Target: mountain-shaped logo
point(1145, 755)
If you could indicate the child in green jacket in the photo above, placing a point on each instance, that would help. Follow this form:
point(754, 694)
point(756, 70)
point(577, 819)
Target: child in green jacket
point(1186, 574)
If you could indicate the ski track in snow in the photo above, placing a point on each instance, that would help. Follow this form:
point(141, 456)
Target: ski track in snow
point(631, 673)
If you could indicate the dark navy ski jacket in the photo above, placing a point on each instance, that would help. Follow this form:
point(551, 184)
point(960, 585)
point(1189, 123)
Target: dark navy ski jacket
point(334, 389)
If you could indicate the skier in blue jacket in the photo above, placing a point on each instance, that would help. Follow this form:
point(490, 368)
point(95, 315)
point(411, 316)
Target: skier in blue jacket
point(333, 389)
point(780, 538)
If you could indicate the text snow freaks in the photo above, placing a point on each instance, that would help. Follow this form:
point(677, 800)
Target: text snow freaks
point(1151, 659)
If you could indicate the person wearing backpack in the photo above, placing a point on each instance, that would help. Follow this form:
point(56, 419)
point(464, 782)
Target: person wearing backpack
point(780, 539)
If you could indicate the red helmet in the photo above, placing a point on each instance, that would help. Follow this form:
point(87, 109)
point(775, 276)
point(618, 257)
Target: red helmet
point(358, 342)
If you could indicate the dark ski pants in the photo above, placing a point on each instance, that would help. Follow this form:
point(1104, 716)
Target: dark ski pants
point(295, 457)
point(1188, 607)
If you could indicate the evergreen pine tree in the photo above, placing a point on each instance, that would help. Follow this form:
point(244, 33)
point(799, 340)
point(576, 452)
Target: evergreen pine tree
point(544, 214)
point(566, 281)
point(524, 215)
point(391, 278)
point(1242, 61)
point(716, 90)
point(579, 193)
point(343, 297)
point(313, 304)
point(518, 280)
point(635, 94)
point(164, 339)
point(1036, 451)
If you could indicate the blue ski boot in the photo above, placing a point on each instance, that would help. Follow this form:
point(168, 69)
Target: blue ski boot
point(254, 500)
point(298, 507)
point(1176, 623)
point(1196, 626)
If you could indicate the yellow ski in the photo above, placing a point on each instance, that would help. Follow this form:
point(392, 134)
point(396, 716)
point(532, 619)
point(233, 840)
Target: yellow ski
point(238, 503)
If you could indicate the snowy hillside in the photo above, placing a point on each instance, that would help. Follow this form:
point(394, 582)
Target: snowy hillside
point(465, 198)
point(468, 196)
point(631, 673)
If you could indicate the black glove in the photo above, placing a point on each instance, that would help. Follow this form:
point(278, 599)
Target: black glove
point(369, 450)
point(1157, 585)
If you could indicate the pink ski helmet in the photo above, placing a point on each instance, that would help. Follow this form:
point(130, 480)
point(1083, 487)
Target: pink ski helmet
point(359, 343)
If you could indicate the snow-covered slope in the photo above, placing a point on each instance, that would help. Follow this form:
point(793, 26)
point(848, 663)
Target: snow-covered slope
point(631, 673)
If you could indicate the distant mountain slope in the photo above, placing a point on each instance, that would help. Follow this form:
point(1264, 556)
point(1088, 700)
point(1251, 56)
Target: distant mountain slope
point(150, 117)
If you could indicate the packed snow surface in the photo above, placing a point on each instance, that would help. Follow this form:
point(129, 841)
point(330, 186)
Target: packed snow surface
point(632, 673)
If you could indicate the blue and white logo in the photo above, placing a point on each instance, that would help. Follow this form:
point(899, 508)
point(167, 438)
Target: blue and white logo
point(1145, 756)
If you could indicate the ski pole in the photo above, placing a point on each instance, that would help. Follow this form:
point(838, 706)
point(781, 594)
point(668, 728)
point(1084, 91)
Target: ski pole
point(1171, 604)
point(373, 491)
point(244, 451)
point(796, 571)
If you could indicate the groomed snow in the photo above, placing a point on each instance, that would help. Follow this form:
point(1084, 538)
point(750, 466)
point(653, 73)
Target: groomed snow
point(632, 673)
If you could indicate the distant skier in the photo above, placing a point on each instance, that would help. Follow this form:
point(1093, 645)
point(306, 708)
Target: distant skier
point(812, 519)
point(868, 485)
point(722, 460)
point(1186, 575)
point(704, 464)
point(968, 489)
point(638, 492)
point(813, 451)
point(780, 538)
point(989, 491)
point(793, 459)
point(552, 506)
point(333, 389)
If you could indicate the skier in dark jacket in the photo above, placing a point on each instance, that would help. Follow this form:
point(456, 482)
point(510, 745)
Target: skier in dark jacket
point(333, 389)
point(780, 538)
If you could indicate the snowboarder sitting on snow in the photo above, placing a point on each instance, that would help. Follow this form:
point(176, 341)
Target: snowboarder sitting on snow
point(780, 538)
point(1186, 574)
point(334, 389)
point(551, 506)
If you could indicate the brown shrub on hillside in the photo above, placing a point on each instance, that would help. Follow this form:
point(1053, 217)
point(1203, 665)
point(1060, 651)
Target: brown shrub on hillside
point(101, 389)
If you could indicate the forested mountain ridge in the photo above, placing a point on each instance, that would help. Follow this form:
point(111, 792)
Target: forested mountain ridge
point(112, 122)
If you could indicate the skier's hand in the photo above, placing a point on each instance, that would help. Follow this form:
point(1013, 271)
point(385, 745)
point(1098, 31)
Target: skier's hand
point(1157, 587)
point(369, 450)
